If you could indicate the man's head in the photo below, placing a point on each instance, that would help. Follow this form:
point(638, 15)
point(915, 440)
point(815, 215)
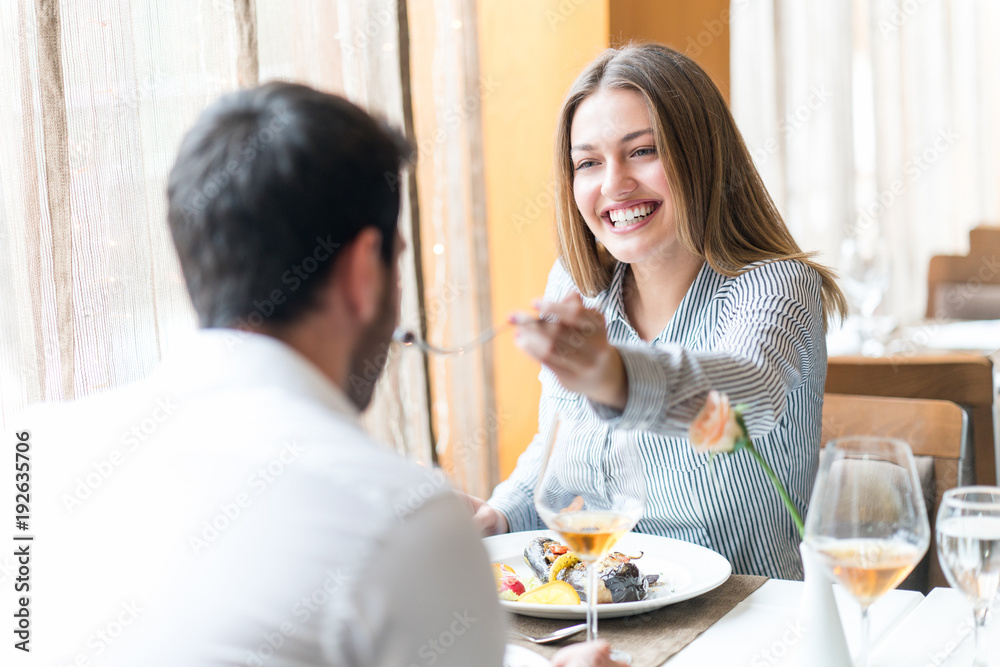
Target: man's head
point(274, 191)
point(269, 185)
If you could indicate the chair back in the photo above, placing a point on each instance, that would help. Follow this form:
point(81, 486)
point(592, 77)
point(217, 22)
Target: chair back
point(935, 431)
point(967, 287)
point(963, 378)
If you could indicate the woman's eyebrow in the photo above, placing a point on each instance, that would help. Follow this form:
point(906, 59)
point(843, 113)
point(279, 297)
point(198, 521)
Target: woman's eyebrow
point(624, 140)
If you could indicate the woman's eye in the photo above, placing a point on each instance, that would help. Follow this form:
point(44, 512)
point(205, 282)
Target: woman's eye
point(584, 164)
point(646, 150)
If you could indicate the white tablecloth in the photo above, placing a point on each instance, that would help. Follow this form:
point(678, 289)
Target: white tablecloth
point(762, 631)
point(938, 633)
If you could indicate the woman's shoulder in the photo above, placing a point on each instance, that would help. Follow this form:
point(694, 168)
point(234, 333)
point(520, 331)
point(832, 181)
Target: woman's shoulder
point(787, 285)
point(779, 275)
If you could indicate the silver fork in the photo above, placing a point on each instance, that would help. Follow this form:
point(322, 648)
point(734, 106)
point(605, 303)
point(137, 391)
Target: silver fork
point(562, 633)
point(406, 337)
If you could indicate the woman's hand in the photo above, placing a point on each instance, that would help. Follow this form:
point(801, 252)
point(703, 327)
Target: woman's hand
point(488, 520)
point(572, 342)
point(588, 654)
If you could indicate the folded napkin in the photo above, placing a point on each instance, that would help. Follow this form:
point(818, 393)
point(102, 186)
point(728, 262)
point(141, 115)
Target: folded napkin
point(652, 637)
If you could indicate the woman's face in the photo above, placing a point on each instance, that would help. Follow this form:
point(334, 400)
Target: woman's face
point(619, 182)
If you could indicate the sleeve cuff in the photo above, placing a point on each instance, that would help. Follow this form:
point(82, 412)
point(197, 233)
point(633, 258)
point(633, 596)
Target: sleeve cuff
point(520, 515)
point(647, 392)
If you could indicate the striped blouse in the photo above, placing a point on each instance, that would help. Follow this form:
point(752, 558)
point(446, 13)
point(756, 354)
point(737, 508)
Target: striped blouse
point(757, 337)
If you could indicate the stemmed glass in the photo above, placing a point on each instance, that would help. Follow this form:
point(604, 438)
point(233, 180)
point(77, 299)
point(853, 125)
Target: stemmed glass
point(968, 539)
point(865, 278)
point(867, 521)
point(590, 498)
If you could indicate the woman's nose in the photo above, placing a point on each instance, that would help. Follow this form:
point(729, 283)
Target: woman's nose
point(618, 181)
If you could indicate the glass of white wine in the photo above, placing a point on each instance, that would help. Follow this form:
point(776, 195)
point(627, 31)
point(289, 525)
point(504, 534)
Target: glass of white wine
point(968, 542)
point(867, 521)
point(590, 498)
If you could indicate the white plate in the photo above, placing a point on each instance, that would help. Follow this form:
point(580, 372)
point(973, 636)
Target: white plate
point(686, 570)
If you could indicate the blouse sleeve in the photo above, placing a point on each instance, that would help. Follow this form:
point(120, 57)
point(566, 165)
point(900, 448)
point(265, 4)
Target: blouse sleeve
point(769, 336)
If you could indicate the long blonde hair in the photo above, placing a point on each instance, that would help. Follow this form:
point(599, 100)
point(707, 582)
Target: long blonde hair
point(722, 210)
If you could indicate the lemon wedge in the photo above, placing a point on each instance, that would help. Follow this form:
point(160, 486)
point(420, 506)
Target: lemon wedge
point(554, 592)
point(566, 560)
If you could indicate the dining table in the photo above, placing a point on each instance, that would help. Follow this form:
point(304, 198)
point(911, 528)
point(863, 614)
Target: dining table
point(908, 629)
point(764, 629)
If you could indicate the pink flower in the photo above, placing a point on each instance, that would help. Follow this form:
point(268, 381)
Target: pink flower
point(717, 427)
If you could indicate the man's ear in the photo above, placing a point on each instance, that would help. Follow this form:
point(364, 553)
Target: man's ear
point(361, 273)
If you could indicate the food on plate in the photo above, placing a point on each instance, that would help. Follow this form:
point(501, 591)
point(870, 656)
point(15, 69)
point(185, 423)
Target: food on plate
point(512, 584)
point(554, 592)
point(618, 580)
point(501, 570)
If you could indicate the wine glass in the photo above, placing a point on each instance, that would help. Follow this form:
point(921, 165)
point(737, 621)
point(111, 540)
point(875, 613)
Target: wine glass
point(968, 539)
point(867, 521)
point(865, 278)
point(590, 498)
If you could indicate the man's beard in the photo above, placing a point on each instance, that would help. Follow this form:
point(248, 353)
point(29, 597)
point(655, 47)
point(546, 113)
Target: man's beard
point(372, 354)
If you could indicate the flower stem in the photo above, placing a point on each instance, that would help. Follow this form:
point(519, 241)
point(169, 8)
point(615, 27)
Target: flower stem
point(779, 486)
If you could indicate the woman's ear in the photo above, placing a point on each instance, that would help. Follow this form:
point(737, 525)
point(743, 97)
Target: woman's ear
point(362, 275)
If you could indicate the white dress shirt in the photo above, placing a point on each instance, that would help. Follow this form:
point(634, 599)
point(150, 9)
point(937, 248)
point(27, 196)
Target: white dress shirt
point(757, 337)
point(230, 511)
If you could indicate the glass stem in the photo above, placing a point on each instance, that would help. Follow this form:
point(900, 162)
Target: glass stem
point(862, 660)
point(979, 632)
point(591, 601)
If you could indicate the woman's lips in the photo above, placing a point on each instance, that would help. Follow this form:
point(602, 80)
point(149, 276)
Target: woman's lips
point(631, 225)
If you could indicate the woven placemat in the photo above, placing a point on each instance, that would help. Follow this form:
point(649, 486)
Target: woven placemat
point(652, 637)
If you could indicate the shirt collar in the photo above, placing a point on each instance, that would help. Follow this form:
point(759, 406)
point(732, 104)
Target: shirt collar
point(224, 359)
point(613, 300)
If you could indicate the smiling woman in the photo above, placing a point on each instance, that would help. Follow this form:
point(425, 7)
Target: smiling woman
point(676, 276)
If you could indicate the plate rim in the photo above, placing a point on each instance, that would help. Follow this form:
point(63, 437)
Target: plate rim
point(621, 608)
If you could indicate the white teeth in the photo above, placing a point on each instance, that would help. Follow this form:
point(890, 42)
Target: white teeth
point(622, 217)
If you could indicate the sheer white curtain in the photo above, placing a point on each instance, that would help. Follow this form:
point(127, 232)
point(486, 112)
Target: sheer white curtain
point(96, 97)
point(875, 121)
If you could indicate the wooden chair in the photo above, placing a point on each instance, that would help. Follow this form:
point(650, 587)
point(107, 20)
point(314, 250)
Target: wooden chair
point(963, 378)
point(935, 431)
point(967, 287)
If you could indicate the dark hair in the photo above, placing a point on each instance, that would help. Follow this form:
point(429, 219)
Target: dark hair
point(268, 185)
